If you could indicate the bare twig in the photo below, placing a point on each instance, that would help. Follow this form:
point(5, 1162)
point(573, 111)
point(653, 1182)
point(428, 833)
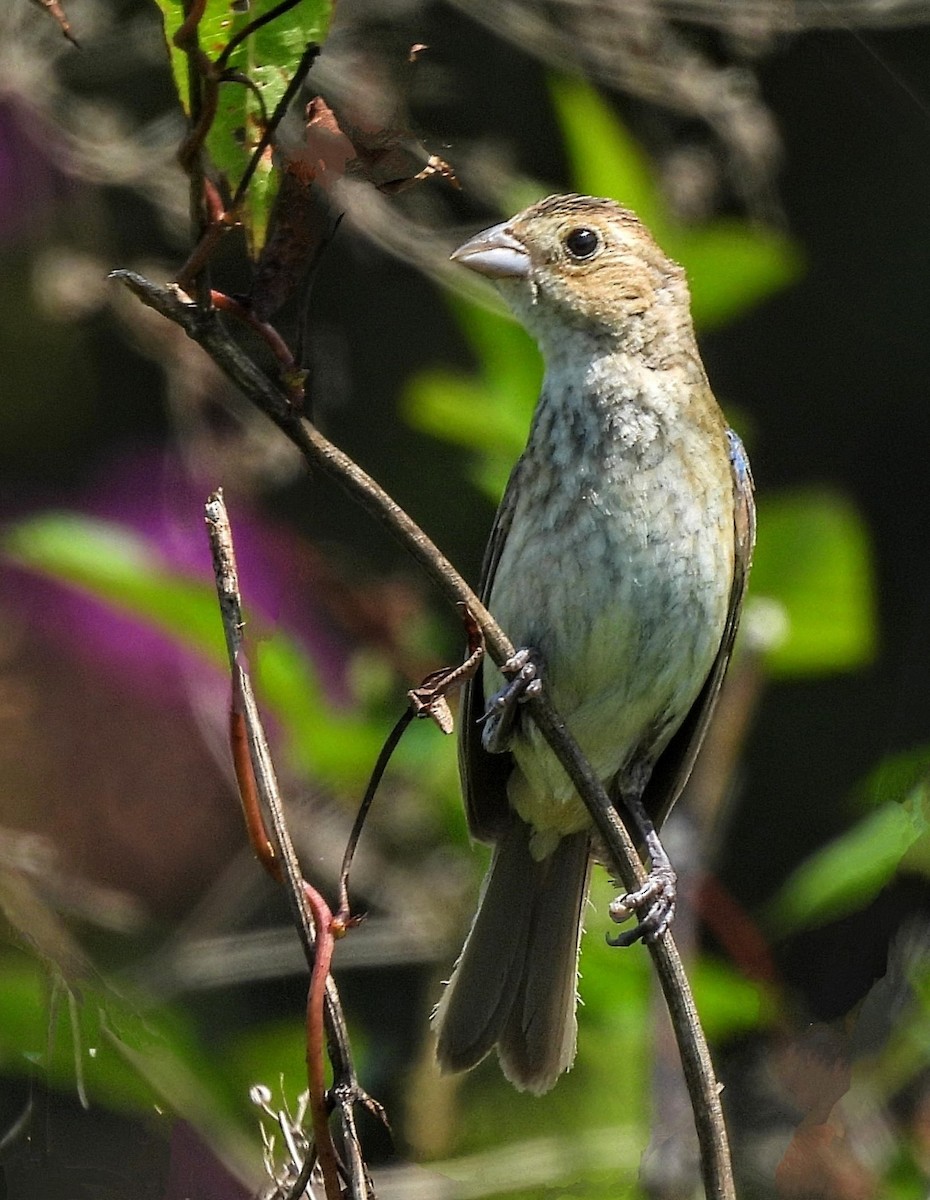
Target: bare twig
point(343, 913)
point(312, 917)
point(57, 13)
point(307, 59)
point(426, 701)
point(207, 330)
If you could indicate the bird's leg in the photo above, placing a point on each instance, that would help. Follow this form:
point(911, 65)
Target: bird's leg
point(522, 675)
point(654, 902)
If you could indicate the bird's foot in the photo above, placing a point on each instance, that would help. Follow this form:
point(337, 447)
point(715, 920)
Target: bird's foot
point(522, 674)
point(654, 902)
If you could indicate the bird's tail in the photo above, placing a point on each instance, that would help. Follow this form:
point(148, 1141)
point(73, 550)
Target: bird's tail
point(515, 983)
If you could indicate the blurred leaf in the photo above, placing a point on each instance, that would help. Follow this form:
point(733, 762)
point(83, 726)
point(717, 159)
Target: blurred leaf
point(813, 558)
point(275, 1054)
point(906, 1178)
point(728, 1003)
point(489, 414)
point(580, 1161)
point(604, 159)
point(127, 1058)
point(267, 58)
point(114, 565)
point(730, 264)
point(848, 873)
point(895, 777)
point(609, 1083)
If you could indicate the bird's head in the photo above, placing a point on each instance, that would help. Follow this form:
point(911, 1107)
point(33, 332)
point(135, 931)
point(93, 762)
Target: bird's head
point(581, 263)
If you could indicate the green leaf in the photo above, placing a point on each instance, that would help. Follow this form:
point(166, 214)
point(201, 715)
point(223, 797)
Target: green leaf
point(895, 778)
point(118, 567)
point(267, 59)
point(728, 1002)
point(603, 158)
point(848, 873)
point(813, 558)
point(489, 415)
point(730, 264)
point(134, 1057)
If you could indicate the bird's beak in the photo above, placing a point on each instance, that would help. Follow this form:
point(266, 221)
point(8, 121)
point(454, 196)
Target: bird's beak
point(495, 253)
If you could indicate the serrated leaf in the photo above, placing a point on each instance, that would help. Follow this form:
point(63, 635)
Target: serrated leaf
point(813, 557)
point(267, 59)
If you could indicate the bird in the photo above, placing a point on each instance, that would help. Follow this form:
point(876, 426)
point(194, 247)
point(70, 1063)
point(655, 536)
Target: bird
point(617, 563)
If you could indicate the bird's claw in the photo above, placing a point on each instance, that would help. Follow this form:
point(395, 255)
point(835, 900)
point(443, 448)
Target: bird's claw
point(653, 903)
point(522, 674)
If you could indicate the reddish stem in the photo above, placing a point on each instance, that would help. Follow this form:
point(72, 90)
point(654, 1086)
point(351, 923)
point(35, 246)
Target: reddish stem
point(266, 332)
point(248, 792)
point(319, 1113)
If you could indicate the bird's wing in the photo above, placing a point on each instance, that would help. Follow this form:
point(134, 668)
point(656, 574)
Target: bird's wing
point(673, 767)
point(483, 775)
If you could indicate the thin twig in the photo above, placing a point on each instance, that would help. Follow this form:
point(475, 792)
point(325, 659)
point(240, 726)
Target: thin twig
point(207, 330)
point(258, 790)
point(343, 912)
point(252, 27)
point(307, 59)
point(426, 701)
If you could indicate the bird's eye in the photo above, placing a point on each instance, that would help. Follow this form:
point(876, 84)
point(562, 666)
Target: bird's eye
point(582, 243)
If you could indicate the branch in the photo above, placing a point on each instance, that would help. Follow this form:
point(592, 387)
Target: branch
point(259, 793)
point(206, 329)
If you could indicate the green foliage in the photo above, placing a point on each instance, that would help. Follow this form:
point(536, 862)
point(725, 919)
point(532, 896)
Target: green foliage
point(88, 1039)
point(813, 558)
point(267, 58)
point(849, 872)
point(112, 564)
point(488, 414)
point(117, 567)
point(603, 1091)
point(844, 876)
point(729, 1004)
point(273, 1053)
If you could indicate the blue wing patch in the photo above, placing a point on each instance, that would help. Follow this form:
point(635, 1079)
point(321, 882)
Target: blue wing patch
point(739, 460)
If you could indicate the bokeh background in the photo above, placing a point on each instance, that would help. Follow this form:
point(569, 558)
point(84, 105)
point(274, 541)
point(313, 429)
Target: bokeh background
point(148, 977)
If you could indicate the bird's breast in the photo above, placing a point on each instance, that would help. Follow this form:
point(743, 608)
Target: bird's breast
point(617, 568)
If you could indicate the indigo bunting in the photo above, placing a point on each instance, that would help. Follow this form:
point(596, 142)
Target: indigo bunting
point(618, 563)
